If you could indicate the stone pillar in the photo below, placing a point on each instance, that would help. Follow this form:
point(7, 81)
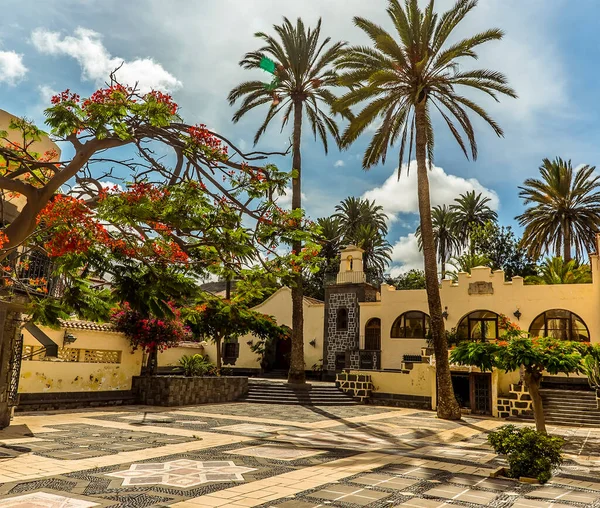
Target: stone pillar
point(9, 331)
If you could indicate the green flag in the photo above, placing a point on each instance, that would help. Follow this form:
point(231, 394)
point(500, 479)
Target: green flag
point(267, 64)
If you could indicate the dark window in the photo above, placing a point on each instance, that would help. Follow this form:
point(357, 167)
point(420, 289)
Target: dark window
point(373, 335)
point(411, 325)
point(479, 325)
point(231, 352)
point(560, 324)
point(342, 319)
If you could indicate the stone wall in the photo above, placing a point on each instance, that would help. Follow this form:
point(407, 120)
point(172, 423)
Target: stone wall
point(182, 391)
point(358, 386)
point(341, 341)
point(517, 403)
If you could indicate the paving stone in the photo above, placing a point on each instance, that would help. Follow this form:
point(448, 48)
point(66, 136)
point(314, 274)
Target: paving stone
point(385, 481)
point(346, 494)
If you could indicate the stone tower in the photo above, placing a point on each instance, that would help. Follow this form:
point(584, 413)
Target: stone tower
point(341, 343)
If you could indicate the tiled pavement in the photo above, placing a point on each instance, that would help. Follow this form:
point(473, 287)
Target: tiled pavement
point(243, 455)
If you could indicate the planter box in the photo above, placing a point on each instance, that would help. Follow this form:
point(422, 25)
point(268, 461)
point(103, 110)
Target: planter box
point(185, 391)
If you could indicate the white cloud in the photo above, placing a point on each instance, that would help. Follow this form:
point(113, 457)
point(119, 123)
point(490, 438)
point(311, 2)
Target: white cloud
point(285, 200)
point(46, 93)
point(97, 63)
point(12, 68)
point(406, 255)
point(400, 196)
point(339, 163)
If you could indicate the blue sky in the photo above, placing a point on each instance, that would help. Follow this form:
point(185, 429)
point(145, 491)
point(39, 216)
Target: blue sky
point(550, 54)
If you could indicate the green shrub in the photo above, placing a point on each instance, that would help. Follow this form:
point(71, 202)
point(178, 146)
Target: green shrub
point(529, 453)
point(196, 365)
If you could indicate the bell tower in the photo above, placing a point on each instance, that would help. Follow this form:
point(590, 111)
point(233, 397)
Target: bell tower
point(341, 344)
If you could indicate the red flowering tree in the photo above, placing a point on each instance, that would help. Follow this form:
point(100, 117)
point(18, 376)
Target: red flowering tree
point(197, 211)
point(535, 355)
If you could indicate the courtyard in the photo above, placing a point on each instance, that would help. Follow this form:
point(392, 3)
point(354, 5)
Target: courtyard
point(244, 454)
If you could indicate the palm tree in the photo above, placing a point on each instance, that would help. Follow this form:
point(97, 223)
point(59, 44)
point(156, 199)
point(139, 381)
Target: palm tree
point(363, 224)
point(355, 212)
point(556, 271)
point(467, 262)
point(565, 210)
point(445, 235)
point(471, 211)
point(376, 255)
point(304, 75)
point(403, 80)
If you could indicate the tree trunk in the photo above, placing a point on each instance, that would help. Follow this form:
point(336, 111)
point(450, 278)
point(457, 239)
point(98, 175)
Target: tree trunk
point(567, 243)
point(152, 364)
point(297, 373)
point(443, 263)
point(532, 382)
point(447, 406)
point(218, 343)
point(9, 330)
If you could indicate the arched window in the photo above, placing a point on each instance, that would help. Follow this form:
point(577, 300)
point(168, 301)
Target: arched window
point(479, 325)
point(373, 335)
point(411, 325)
point(560, 324)
point(342, 319)
point(350, 263)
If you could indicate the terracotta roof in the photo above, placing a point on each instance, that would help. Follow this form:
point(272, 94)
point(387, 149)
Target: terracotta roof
point(87, 325)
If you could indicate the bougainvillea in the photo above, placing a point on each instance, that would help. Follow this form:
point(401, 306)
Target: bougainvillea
point(149, 333)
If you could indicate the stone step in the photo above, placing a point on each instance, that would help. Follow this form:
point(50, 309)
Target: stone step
point(318, 394)
point(572, 423)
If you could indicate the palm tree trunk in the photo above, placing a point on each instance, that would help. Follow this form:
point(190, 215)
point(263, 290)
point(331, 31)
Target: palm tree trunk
point(443, 262)
point(567, 243)
point(532, 381)
point(296, 373)
point(447, 407)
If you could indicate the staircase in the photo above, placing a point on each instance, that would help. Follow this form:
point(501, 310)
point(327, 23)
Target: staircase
point(571, 407)
point(266, 391)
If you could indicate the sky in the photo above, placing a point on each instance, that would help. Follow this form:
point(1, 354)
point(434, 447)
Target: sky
point(192, 48)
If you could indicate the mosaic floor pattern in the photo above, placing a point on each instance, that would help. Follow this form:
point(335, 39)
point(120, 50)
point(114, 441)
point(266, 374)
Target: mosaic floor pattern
point(182, 473)
point(242, 455)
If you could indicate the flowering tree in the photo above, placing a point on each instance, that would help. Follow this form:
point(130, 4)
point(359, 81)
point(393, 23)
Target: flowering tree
point(194, 212)
point(518, 350)
point(215, 319)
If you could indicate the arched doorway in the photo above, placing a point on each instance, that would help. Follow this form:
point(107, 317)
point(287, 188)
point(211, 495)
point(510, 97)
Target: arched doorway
point(373, 335)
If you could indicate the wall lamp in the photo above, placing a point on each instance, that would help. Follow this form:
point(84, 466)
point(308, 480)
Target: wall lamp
point(250, 342)
point(517, 314)
point(69, 338)
point(313, 343)
point(445, 313)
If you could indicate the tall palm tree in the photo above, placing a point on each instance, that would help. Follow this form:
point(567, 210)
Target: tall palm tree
point(355, 212)
point(565, 211)
point(304, 75)
point(557, 271)
point(403, 80)
point(445, 235)
point(471, 210)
